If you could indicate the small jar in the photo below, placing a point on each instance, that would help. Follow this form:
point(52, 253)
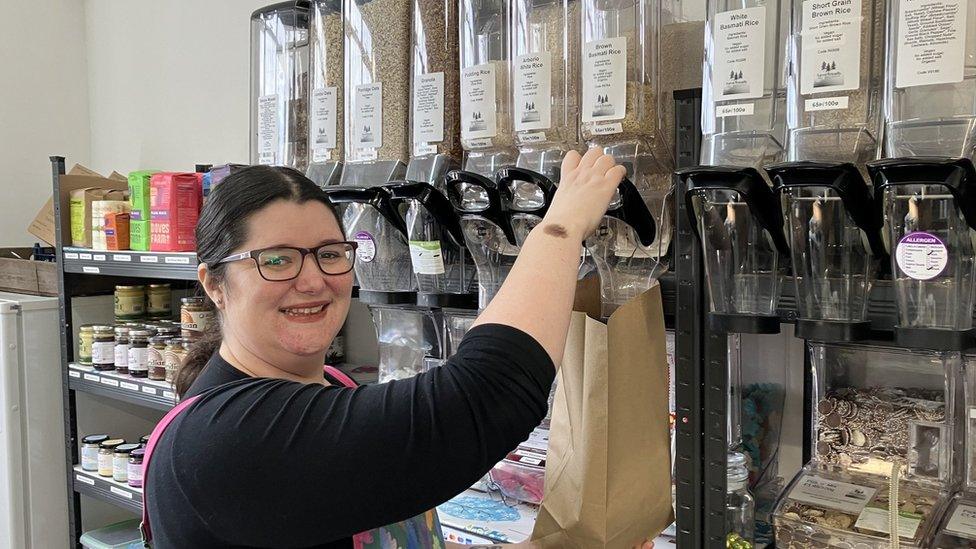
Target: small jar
point(139, 353)
point(103, 348)
point(130, 303)
point(86, 335)
point(134, 468)
point(160, 301)
point(122, 349)
point(120, 462)
point(173, 357)
point(195, 317)
point(106, 452)
point(169, 331)
point(157, 361)
point(89, 451)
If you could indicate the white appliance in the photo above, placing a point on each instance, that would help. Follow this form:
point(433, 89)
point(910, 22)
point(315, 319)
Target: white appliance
point(33, 470)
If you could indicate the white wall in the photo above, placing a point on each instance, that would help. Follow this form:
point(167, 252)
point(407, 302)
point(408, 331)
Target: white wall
point(168, 81)
point(43, 105)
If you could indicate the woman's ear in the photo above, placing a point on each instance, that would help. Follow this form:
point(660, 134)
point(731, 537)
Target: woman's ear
point(210, 285)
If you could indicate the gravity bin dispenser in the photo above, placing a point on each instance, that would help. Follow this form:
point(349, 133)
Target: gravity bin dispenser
point(528, 195)
point(409, 337)
point(326, 100)
point(929, 207)
point(740, 228)
point(834, 234)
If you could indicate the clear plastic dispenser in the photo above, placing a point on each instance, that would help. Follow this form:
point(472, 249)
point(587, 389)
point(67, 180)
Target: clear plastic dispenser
point(410, 340)
point(545, 81)
point(887, 426)
point(279, 85)
point(740, 227)
point(834, 231)
point(621, 249)
point(929, 207)
point(486, 227)
point(622, 105)
point(930, 97)
point(325, 106)
point(486, 86)
point(835, 89)
point(744, 82)
point(528, 195)
point(377, 90)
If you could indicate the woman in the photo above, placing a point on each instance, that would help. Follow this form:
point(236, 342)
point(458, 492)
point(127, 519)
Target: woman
point(273, 455)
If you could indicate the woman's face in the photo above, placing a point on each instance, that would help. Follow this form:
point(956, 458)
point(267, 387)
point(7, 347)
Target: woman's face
point(273, 320)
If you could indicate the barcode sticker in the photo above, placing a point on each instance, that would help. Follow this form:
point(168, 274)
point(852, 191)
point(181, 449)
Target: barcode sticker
point(86, 480)
point(121, 257)
point(120, 492)
point(177, 260)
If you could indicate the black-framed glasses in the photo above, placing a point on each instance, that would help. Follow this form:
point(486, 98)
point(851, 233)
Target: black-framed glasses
point(281, 263)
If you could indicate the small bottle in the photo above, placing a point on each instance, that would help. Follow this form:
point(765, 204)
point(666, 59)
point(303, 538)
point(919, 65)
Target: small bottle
point(120, 462)
point(106, 453)
point(139, 353)
point(134, 468)
point(160, 301)
point(157, 360)
point(85, 336)
point(89, 451)
point(122, 349)
point(103, 348)
point(740, 506)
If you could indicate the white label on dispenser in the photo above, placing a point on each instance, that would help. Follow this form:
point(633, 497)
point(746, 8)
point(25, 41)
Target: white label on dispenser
point(740, 109)
point(533, 90)
point(832, 494)
point(267, 129)
point(367, 123)
point(478, 102)
point(876, 520)
point(322, 131)
point(963, 522)
point(604, 79)
point(826, 103)
point(428, 108)
point(930, 42)
point(830, 59)
point(534, 137)
point(739, 64)
point(921, 255)
point(366, 250)
point(426, 257)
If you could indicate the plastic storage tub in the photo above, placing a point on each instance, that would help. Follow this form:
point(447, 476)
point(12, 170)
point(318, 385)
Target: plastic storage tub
point(122, 535)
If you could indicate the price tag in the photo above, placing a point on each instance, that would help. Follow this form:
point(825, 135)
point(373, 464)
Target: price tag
point(129, 386)
point(149, 391)
point(99, 257)
point(148, 259)
point(90, 270)
point(70, 255)
point(86, 480)
point(169, 394)
point(120, 492)
point(86, 257)
point(121, 257)
point(74, 374)
point(90, 377)
point(177, 260)
point(109, 381)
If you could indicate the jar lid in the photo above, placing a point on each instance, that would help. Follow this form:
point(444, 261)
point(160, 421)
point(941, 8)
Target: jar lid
point(102, 328)
point(126, 448)
point(192, 301)
point(122, 330)
point(94, 439)
point(159, 286)
point(130, 288)
point(138, 453)
point(160, 339)
point(87, 328)
point(139, 333)
point(144, 439)
point(112, 443)
point(169, 330)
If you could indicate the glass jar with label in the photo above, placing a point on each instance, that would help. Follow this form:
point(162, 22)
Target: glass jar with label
point(89, 451)
point(486, 86)
point(120, 462)
point(930, 97)
point(326, 139)
point(196, 316)
point(545, 80)
point(169, 330)
point(130, 303)
point(279, 85)
point(835, 91)
point(139, 353)
point(86, 334)
point(377, 90)
point(434, 85)
point(106, 453)
point(176, 349)
point(156, 360)
point(740, 506)
point(744, 84)
point(160, 301)
point(134, 468)
point(103, 348)
point(122, 349)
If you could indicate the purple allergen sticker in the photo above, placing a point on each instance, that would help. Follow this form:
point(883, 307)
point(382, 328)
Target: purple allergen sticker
point(921, 256)
point(366, 250)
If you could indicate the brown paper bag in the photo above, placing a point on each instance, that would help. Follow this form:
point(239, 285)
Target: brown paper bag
point(608, 472)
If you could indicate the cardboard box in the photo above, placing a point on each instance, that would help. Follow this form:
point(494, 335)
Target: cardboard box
point(21, 275)
point(43, 226)
point(175, 207)
point(80, 210)
point(116, 231)
point(100, 208)
point(139, 235)
point(139, 193)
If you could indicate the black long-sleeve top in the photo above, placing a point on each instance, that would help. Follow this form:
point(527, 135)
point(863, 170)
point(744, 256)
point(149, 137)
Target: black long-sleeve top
point(260, 462)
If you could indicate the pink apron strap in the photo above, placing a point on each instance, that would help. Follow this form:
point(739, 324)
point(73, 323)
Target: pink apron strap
point(154, 437)
point(343, 378)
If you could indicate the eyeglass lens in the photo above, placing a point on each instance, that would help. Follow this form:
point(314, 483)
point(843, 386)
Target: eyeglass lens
point(286, 263)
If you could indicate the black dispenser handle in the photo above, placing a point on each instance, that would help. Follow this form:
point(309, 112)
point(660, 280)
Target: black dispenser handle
point(957, 175)
point(507, 178)
point(433, 201)
point(377, 197)
point(633, 211)
point(494, 212)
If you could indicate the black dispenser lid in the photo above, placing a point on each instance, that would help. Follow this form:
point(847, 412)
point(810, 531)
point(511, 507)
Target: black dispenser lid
point(377, 197)
point(632, 210)
point(957, 175)
point(433, 201)
point(493, 211)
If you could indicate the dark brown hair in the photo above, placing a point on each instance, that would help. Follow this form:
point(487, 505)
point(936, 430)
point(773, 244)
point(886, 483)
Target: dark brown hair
point(222, 229)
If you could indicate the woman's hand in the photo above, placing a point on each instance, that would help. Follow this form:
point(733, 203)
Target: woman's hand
point(586, 186)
